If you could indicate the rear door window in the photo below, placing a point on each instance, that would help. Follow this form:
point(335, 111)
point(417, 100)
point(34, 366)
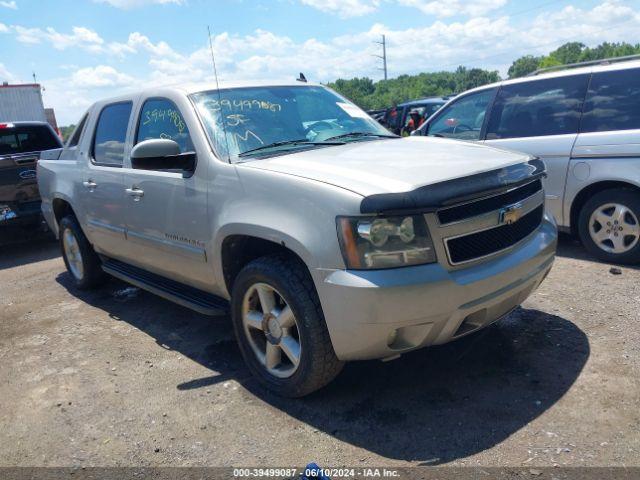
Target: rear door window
point(613, 102)
point(16, 139)
point(538, 108)
point(75, 138)
point(463, 119)
point(111, 134)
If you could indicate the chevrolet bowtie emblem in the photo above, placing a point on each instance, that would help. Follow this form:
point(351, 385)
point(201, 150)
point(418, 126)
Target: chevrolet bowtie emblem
point(511, 214)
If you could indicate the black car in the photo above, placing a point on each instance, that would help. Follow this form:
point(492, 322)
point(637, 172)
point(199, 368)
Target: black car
point(20, 147)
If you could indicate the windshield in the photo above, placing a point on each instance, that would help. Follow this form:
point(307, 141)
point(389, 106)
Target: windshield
point(23, 139)
point(246, 121)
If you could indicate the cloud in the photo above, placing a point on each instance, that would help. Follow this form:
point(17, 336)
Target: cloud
point(80, 37)
point(611, 21)
point(344, 8)
point(12, 4)
point(137, 42)
point(88, 40)
point(450, 8)
point(491, 43)
point(129, 4)
point(438, 8)
point(100, 76)
point(27, 35)
point(6, 75)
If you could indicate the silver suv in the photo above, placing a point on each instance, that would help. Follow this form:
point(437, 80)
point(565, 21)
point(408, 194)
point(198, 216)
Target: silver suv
point(325, 237)
point(584, 123)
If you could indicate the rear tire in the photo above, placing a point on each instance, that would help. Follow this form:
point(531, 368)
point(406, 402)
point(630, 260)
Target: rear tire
point(286, 344)
point(82, 262)
point(609, 226)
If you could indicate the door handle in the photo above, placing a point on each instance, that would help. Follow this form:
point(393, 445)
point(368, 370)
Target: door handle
point(90, 184)
point(135, 192)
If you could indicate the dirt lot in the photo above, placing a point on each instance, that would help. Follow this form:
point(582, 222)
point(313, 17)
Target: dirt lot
point(121, 377)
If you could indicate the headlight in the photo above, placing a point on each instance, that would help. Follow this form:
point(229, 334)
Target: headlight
point(385, 242)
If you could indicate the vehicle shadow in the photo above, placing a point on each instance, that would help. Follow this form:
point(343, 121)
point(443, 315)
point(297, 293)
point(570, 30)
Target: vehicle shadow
point(24, 250)
point(431, 406)
point(570, 247)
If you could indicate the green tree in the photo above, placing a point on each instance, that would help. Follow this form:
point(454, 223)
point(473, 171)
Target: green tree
point(373, 95)
point(568, 53)
point(524, 66)
point(67, 131)
point(385, 93)
point(475, 77)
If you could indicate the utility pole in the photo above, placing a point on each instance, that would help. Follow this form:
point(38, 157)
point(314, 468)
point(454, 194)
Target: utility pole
point(383, 57)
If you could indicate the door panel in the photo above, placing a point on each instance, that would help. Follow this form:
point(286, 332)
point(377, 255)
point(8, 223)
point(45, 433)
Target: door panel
point(167, 225)
point(101, 189)
point(554, 151)
point(102, 194)
point(167, 218)
point(623, 143)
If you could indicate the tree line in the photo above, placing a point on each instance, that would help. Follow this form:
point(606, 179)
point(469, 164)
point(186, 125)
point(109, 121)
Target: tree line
point(371, 95)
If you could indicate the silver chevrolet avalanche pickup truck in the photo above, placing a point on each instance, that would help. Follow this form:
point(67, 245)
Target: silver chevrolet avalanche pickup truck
point(326, 238)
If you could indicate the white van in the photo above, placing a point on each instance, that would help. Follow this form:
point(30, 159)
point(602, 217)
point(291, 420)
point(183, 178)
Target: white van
point(583, 121)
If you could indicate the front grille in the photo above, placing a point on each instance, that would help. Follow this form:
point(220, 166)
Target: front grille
point(487, 242)
point(473, 209)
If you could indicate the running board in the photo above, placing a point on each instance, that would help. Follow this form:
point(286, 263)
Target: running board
point(198, 300)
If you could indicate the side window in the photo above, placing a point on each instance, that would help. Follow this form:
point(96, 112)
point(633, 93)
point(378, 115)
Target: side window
point(111, 133)
point(77, 133)
point(160, 118)
point(463, 119)
point(538, 108)
point(613, 102)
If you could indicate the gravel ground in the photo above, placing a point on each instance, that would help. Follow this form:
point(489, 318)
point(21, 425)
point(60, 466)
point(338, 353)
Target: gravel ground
point(120, 377)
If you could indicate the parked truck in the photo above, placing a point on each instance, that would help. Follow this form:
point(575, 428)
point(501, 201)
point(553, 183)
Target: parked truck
point(327, 238)
point(20, 146)
point(25, 131)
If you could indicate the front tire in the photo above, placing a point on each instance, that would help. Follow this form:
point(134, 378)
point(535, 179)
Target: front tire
point(609, 226)
point(82, 262)
point(280, 327)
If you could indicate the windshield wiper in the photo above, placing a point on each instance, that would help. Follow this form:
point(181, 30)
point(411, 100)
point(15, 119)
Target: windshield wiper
point(362, 134)
point(302, 141)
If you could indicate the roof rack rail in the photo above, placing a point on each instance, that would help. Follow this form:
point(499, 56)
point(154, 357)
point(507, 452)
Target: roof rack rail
point(603, 61)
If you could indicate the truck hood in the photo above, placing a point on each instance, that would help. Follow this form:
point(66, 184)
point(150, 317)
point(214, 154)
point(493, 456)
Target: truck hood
point(391, 166)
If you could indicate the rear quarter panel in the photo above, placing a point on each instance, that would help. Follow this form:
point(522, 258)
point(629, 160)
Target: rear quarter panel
point(58, 179)
point(601, 157)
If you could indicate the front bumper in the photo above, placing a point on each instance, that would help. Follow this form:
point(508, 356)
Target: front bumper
point(378, 314)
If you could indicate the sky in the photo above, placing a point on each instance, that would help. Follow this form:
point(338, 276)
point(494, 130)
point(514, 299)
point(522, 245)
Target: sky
point(85, 50)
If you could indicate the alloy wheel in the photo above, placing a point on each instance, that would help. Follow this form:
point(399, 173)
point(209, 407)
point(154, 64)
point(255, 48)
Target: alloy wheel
point(272, 330)
point(614, 228)
point(73, 254)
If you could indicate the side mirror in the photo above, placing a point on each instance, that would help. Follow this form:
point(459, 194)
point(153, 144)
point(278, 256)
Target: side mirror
point(161, 154)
